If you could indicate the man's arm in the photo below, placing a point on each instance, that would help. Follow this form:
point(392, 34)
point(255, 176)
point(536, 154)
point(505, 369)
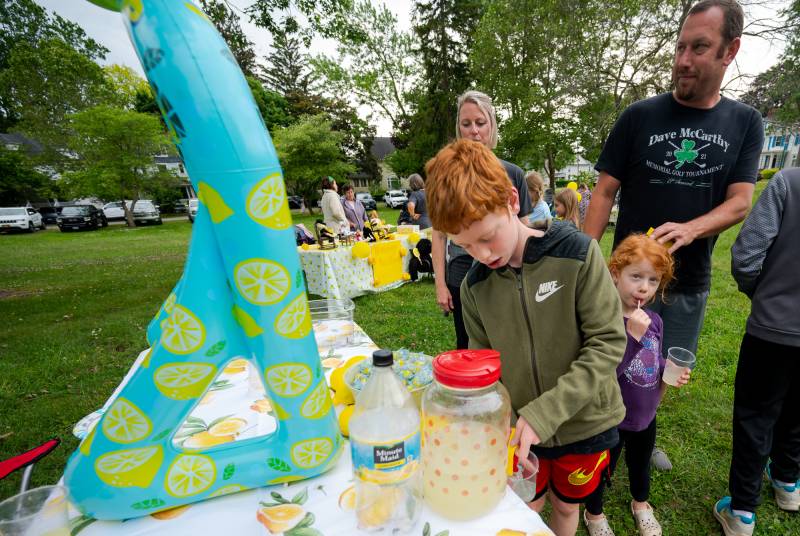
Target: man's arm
point(738, 199)
point(600, 206)
point(438, 245)
point(757, 234)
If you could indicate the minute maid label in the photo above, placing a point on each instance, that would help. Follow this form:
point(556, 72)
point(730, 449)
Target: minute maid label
point(386, 462)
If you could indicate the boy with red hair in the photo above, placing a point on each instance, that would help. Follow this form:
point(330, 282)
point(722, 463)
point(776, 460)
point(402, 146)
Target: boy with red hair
point(546, 302)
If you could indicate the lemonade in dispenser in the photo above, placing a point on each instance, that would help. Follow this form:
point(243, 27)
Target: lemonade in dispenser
point(466, 416)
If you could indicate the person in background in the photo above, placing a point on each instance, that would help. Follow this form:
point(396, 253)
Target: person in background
point(354, 210)
point(541, 212)
point(685, 163)
point(332, 210)
point(416, 202)
point(583, 204)
point(765, 261)
point(476, 121)
point(566, 205)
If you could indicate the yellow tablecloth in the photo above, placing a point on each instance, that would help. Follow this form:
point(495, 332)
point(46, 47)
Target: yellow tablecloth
point(242, 397)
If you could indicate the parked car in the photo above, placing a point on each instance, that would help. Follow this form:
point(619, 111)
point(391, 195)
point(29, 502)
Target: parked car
point(50, 214)
point(75, 217)
point(192, 211)
point(181, 205)
point(395, 198)
point(367, 200)
point(295, 201)
point(144, 211)
point(114, 210)
point(20, 218)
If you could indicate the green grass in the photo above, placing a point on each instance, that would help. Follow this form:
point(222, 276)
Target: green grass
point(74, 308)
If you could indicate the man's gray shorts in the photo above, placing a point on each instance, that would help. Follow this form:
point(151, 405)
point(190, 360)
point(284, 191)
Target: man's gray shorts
point(683, 319)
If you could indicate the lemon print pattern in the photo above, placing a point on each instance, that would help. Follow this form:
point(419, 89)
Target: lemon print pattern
point(182, 381)
point(227, 490)
point(261, 282)
point(246, 322)
point(125, 423)
point(169, 303)
point(266, 204)
point(189, 475)
point(134, 9)
point(311, 452)
point(86, 444)
point(290, 379)
point(318, 403)
point(294, 321)
point(217, 208)
point(182, 332)
point(131, 467)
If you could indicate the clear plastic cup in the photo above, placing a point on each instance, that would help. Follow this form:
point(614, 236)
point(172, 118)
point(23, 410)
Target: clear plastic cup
point(678, 360)
point(35, 512)
point(523, 481)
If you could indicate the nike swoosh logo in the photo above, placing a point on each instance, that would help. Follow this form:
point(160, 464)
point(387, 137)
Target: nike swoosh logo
point(542, 297)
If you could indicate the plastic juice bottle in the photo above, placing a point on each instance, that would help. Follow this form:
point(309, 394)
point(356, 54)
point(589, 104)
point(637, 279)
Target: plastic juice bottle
point(385, 447)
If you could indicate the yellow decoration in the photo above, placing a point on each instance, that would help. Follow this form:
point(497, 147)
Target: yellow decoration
point(347, 500)
point(216, 206)
point(182, 332)
point(360, 250)
point(132, 467)
point(86, 444)
point(318, 403)
point(266, 204)
point(281, 518)
point(229, 426)
point(387, 262)
point(247, 322)
point(261, 281)
point(227, 490)
point(311, 452)
point(413, 238)
point(294, 321)
point(182, 381)
point(579, 196)
point(572, 185)
point(125, 423)
point(236, 366)
point(189, 475)
point(133, 8)
point(290, 379)
point(344, 422)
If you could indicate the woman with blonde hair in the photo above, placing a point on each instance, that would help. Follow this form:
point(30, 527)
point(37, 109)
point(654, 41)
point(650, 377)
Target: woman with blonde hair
point(541, 212)
point(475, 121)
point(567, 207)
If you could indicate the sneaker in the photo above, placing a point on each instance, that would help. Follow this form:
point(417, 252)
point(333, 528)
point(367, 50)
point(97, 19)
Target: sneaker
point(787, 497)
point(733, 525)
point(660, 460)
point(597, 527)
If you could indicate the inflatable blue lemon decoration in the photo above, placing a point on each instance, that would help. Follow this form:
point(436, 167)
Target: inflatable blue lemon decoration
point(241, 296)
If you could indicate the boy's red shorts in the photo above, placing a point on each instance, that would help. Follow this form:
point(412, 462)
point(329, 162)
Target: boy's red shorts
point(572, 477)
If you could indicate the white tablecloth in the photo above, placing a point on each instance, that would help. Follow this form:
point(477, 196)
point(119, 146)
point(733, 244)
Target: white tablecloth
point(239, 513)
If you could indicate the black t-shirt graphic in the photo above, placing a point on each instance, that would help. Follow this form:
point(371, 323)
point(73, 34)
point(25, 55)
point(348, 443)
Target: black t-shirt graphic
point(675, 163)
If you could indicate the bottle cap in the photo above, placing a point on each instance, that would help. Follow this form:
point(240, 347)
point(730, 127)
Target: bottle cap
point(467, 369)
point(382, 358)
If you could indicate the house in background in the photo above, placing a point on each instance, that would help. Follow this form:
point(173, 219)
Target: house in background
point(579, 165)
point(175, 165)
point(781, 147)
point(381, 148)
point(15, 142)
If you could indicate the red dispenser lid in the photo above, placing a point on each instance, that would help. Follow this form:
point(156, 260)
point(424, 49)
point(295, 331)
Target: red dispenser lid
point(467, 369)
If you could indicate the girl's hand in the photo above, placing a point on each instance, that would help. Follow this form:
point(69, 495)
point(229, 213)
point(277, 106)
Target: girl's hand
point(524, 436)
point(443, 298)
point(638, 324)
point(415, 217)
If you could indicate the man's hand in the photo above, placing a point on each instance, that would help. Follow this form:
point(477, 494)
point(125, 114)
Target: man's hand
point(638, 324)
point(524, 436)
point(680, 234)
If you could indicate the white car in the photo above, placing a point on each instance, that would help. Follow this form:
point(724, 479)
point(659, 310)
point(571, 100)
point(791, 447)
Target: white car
point(192, 210)
point(395, 198)
point(23, 218)
point(114, 211)
point(144, 211)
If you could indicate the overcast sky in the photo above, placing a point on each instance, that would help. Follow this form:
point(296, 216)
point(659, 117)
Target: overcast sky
point(106, 27)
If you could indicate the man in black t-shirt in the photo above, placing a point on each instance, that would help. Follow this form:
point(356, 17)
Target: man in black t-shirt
point(685, 163)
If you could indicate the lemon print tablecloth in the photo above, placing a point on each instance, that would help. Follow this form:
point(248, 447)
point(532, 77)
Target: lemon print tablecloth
point(335, 273)
point(235, 408)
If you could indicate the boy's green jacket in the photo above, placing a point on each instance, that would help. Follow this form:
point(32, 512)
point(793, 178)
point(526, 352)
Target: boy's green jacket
point(559, 330)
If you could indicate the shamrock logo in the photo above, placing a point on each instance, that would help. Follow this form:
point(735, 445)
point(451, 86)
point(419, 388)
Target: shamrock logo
point(686, 154)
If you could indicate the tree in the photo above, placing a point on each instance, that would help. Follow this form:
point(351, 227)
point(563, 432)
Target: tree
point(444, 32)
point(114, 154)
point(288, 71)
point(127, 88)
point(275, 109)
point(227, 23)
point(328, 18)
point(19, 180)
point(44, 84)
point(379, 69)
point(308, 151)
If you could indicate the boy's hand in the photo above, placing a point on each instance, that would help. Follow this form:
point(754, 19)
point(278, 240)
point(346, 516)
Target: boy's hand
point(638, 324)
point(524, 436)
